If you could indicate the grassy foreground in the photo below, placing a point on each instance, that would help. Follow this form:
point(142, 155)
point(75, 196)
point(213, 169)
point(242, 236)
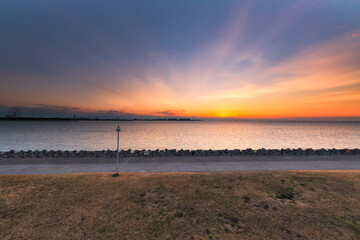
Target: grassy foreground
point(246, 205)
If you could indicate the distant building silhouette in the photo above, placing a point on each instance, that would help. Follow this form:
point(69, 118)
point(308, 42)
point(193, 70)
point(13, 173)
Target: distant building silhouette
point(14, 113)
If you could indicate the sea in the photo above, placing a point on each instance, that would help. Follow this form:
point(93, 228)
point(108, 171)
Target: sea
point(139, 135)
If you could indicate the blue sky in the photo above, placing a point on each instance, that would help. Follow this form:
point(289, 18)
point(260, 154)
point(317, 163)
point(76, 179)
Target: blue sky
point(148, 57)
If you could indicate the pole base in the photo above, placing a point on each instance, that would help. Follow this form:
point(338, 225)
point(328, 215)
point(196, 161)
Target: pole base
point(115, 175)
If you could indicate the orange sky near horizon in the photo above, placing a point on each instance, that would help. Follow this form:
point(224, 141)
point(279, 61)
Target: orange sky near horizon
point(321, 81)
point(237, 73)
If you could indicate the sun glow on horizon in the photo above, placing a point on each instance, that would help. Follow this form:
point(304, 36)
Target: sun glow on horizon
point(250, 60)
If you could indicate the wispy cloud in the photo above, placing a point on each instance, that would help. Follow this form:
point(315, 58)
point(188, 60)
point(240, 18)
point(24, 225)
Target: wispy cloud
point(249, 59)
point(356, 35)
point(170, 112)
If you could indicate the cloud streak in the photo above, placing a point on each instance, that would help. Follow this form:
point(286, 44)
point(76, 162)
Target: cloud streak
point(171, 112)
point(250, 59)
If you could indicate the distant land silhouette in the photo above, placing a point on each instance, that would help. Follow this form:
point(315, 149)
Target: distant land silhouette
point(284, 120)
point(92, 119)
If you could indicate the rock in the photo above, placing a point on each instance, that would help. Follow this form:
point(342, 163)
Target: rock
point(274, 152)
point(20, 154)
point(356, 151)
point(108, 153)
point(181, 152)
point(309, 151)
point(235, 152)
point(65, 154)
point(346, 152)
point(29, 154)
point(36, 153)
point(248, 152)
point(90, 154)
point(121, 153)
point(298, 152)
point(288, 152)
point(323, 152)
point(58, 153)
point(260, 152)
point(80, 153)
point(99, 154)
point(51, 153)
point(336, 151)
point(73, 154)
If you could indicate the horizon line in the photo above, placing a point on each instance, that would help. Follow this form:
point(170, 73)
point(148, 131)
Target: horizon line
point(175, 118)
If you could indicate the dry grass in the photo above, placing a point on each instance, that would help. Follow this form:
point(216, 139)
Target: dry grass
point(251, 205)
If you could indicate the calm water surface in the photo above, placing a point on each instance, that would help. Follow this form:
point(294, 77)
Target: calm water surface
point(84, 135)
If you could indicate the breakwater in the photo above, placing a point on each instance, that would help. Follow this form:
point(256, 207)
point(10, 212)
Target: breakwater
point(181, 152)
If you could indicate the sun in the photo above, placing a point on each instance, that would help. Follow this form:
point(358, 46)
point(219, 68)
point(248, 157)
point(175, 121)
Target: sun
point(226, 114)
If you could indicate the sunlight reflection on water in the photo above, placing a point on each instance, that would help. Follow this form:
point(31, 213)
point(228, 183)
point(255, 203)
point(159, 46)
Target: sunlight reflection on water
point(86, 135)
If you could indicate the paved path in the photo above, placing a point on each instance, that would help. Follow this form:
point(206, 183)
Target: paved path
point(176, 164)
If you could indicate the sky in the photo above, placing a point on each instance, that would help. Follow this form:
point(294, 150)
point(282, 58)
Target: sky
point(202, 58)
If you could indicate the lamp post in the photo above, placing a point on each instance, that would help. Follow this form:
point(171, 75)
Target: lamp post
point(117, 153)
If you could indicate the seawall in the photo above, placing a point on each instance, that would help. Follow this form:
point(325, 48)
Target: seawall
point(181, 152)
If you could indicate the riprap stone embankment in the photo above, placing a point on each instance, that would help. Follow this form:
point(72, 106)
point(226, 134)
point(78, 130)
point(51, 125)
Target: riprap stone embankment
point(181, 152)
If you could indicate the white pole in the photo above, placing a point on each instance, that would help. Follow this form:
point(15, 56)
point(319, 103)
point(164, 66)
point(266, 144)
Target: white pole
point(117, 154)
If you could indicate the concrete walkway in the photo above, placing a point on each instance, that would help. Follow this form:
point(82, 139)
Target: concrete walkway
point(176, 164)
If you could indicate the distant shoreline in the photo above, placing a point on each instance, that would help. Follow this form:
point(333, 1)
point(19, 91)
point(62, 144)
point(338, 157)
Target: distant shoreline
point(176, 120)
point(98, 119)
